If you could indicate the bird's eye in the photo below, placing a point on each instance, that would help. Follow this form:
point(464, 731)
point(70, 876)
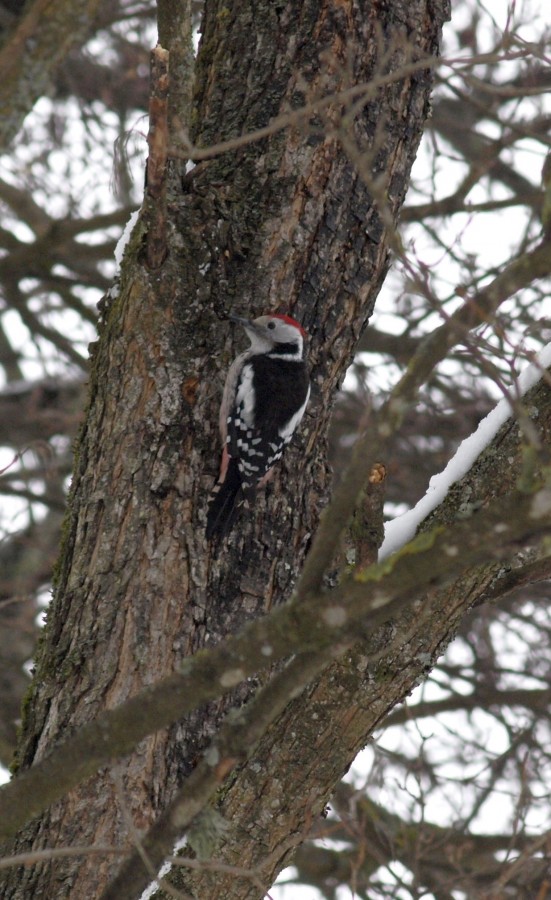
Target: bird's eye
point(271, 325)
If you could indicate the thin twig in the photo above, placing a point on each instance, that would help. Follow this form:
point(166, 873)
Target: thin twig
point(34, 857)
point(187, 150)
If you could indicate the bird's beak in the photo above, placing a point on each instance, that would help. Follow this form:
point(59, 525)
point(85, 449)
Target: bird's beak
point(248, 324)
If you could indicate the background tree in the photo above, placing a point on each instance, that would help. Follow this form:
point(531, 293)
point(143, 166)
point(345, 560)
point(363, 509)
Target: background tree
point(306, 213)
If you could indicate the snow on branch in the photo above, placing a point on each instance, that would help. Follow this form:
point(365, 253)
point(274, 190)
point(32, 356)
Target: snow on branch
point(402, 529)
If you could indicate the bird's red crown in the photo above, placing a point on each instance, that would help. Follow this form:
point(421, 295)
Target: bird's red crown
point(290, 321)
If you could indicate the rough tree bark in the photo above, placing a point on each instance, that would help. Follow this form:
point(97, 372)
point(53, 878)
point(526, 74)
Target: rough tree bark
point(285, 223)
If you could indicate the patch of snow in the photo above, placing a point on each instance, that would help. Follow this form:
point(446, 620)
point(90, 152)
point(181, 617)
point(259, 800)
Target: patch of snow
point(125, 237)
point(164, 870)
point(402, 529)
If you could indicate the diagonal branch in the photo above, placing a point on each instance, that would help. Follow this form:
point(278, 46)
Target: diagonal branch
point(431, 351)
point(311, 624)
point(233, 746)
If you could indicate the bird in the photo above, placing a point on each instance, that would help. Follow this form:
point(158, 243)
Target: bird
point(265, 395)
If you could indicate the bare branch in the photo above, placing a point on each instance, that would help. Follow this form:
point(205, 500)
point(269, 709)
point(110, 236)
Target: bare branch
point(311, 624)
point(155, 193)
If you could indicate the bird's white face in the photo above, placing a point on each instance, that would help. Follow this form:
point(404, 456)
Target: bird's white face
point(276, 335)
point(267, 331)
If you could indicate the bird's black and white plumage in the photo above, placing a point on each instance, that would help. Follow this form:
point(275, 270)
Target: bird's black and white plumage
point(265, 395)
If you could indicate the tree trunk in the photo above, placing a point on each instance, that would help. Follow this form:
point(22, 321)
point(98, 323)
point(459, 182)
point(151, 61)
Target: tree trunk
point(286, 224)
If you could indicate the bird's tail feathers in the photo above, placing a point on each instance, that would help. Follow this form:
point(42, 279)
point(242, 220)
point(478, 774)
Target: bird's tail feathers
point(222, 509)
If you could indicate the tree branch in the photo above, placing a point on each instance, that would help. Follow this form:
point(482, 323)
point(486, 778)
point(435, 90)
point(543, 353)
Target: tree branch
point(372, 446)
point(157, 140)
point(309, 624)
point(38, 44)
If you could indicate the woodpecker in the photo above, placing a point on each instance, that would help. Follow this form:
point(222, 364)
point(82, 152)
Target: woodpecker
point(265, 395)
